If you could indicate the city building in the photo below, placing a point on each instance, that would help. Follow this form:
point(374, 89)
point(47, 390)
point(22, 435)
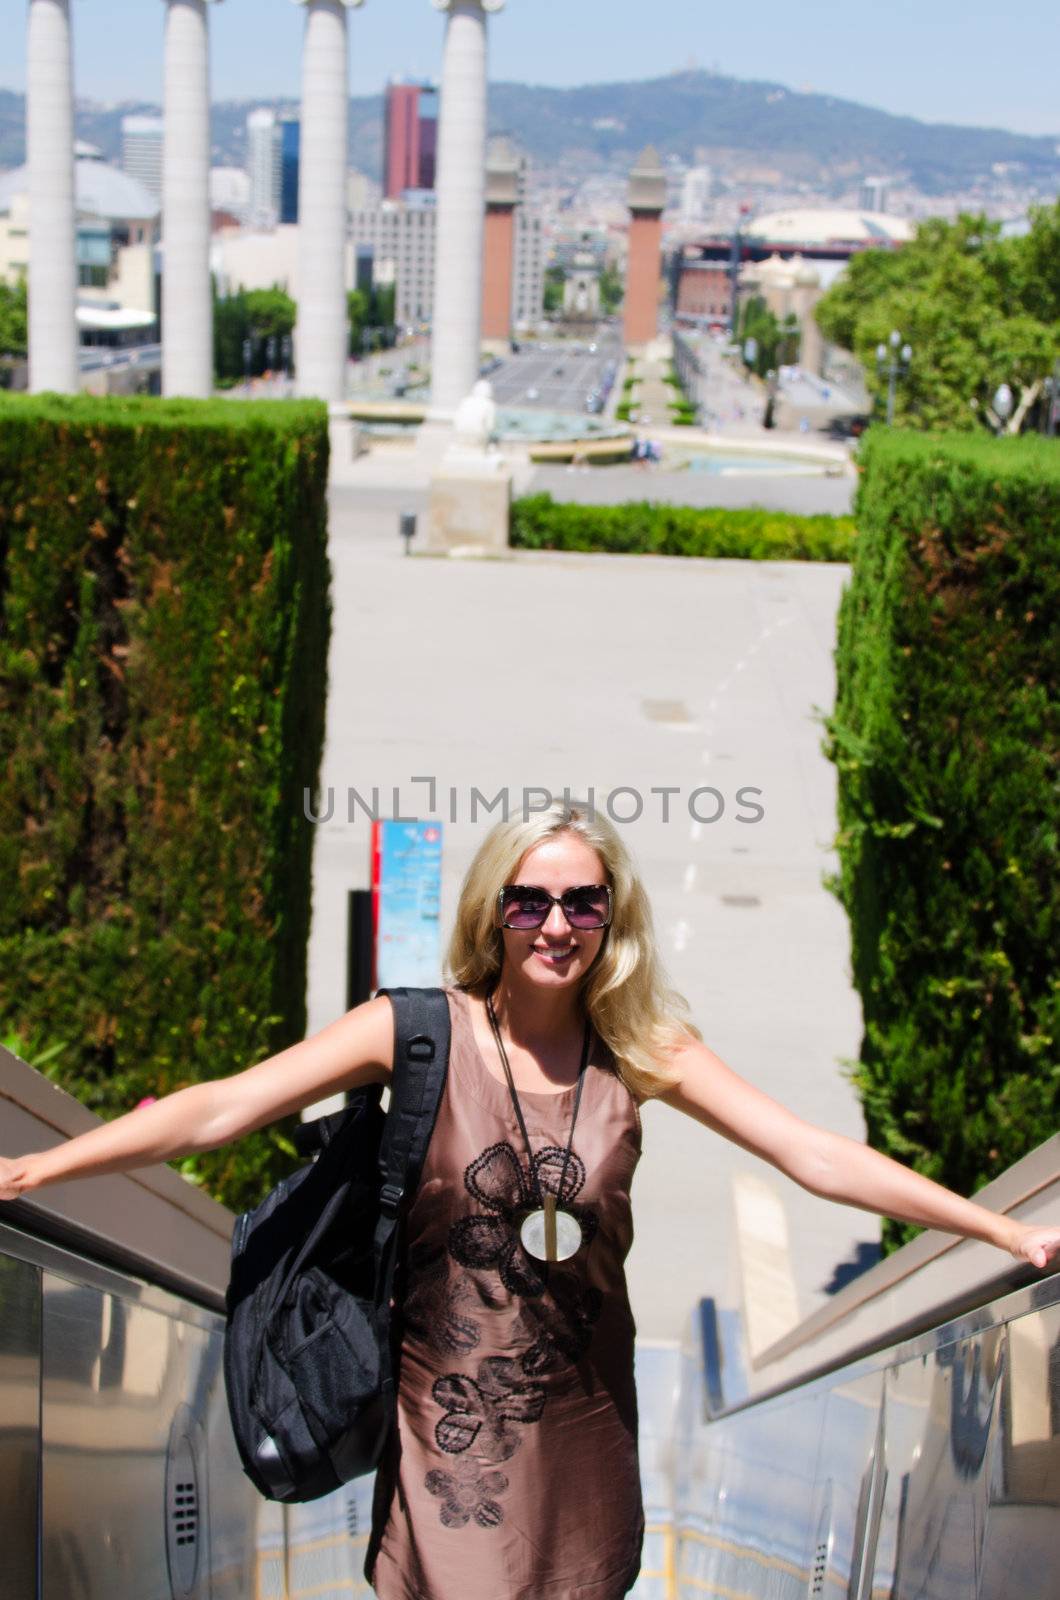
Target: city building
point(704, 271)
point(290, 149)
point(141, 151)
point(696, 190)
point(116, 227)
point(872, 195)
point(230, 192)
point(581, 288)
point(830, 230)
point(362, 192)
point(528, 278)
point(264, 167)
point(246, 258)
point(790, 289)
point(398, 235)
point(410, 137)
point(392, 242)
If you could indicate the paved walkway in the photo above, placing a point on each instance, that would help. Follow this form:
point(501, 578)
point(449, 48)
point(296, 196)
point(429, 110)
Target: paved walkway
point(702, 673)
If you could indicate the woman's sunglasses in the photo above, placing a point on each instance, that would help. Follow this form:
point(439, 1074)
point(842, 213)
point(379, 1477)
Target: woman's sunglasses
point(522, 907)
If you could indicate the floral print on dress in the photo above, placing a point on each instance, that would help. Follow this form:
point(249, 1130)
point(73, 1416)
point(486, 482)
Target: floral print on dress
point(482, 1411)
point(498, 1180)
point(467, 1492)
point(483, 1417)
point(436, 1303)
point(559, 1329)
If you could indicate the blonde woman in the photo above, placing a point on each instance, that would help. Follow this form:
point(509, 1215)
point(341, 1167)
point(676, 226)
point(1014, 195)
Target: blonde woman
point(513, 1472)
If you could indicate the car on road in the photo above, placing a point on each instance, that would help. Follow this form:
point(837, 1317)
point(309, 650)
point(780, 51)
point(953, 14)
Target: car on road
point(532, 394)
point(848, 427)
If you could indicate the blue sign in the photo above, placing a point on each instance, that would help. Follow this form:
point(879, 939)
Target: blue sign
point(407, 896)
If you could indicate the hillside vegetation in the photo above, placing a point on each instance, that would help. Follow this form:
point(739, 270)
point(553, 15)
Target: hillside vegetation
point(601, 126)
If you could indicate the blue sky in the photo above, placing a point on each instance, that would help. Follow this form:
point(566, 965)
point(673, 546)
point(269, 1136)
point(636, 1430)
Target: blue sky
point(942, 60)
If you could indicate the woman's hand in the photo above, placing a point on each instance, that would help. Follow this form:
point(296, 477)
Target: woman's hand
point(12, 1178)
point(1036, 1245)
point(838, 1168)
point(348, 1054)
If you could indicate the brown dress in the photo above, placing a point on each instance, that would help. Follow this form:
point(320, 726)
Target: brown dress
point(514, 1474)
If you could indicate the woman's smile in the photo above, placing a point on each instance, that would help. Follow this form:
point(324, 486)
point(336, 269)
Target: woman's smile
point(557, 956)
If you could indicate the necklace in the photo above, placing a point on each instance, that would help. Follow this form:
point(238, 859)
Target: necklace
point(548, 1233)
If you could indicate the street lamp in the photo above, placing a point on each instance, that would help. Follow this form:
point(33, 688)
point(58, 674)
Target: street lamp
point(769, 414)
point(895, 367)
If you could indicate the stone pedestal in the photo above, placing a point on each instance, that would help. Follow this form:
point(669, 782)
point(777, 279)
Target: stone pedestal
point(470, 505)
point(345, 437)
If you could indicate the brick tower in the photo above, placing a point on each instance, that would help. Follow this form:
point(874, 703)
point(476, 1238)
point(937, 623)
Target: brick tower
point(647, 198)
point(502, 197)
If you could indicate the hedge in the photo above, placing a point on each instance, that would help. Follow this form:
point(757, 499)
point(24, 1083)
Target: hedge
point(165, 622)
point(643, 527)
point(946, 737)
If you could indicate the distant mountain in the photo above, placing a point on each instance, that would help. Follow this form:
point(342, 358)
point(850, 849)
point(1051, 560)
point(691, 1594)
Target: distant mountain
point(813, 138)
point(809, 136)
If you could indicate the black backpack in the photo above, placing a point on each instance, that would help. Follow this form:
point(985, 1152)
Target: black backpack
point(311, 1344)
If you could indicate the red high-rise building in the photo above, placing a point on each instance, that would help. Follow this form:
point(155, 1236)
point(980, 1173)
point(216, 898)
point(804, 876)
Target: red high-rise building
point(410, 137)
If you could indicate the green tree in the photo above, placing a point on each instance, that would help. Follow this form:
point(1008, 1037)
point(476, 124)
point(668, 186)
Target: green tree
point(356, 318)
point(257, 315)
point(382, 305)
point(978, 310)
point(758, 322)
point(14, 332)
point(555, 278)
point(371, 310)
point(612, 290)
point(272, 313)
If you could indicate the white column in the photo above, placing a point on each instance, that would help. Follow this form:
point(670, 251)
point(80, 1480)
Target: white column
point(53, 360)
point(321, 334)
point(187, 312)
point(460, 182)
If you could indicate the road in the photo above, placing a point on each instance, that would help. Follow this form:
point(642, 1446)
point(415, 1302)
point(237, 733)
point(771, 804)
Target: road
point(556, 375)
point(704, 673)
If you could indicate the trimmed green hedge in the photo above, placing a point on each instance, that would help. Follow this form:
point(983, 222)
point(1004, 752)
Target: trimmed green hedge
point(643, 527)
point(165, 622)
point(946, 736)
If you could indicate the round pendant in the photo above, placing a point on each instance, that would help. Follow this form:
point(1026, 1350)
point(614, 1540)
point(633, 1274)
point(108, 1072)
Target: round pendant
point(568, 1235)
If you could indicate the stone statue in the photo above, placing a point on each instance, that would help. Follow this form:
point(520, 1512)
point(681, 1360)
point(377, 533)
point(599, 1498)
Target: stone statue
point(475, 421)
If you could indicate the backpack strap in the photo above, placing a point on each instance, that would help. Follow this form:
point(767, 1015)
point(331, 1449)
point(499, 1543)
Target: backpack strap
point(421, 1058)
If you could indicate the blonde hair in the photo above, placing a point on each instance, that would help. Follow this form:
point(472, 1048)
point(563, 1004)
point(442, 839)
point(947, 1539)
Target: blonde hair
point(628, 999)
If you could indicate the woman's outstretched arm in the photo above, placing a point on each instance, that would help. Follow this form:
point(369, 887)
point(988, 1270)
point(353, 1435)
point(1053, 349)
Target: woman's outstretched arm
point(835, 1167)
point(355, 1050)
